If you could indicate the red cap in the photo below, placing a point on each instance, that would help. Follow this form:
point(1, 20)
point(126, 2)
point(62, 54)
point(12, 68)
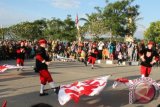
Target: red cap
point(150, 43)
point(42, 41)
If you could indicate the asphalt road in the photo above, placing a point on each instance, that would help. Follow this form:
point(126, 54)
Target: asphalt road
point(21, 88)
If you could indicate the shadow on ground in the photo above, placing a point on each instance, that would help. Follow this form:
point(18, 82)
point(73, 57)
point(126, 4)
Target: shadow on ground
point(28, 73)
point(105, 99)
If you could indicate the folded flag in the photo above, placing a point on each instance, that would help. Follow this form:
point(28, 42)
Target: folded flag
point(124, 81)
point(75, 90)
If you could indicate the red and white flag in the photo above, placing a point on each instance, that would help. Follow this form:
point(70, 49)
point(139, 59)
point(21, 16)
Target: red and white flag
point(75, 90)
point(120, 81)
point(77, 22)
point(3, 68)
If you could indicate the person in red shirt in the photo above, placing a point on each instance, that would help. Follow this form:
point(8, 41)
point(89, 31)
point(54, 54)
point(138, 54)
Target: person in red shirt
point(42, 62)
point(148, 57)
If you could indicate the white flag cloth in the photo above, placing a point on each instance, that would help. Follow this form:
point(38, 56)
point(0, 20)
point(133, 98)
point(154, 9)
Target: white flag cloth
point(75, 90)
point(6, 67)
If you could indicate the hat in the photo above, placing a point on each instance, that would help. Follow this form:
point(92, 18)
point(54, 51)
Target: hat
point(150, 43)
point(42, 41)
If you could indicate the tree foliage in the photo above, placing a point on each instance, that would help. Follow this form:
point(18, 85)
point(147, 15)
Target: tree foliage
point(117, 18)
point(120, 17)
point(153, 32)
point(44, 28)
point(94, 25)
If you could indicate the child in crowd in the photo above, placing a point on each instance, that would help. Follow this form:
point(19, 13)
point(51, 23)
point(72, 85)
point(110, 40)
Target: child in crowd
point(105, 53)
point(120, 58)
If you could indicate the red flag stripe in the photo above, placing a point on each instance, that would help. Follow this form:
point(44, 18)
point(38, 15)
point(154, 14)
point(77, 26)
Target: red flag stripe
point(4, 104)
point(77, 20)
point(75, 90)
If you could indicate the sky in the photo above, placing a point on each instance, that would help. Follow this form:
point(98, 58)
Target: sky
point(16, 11)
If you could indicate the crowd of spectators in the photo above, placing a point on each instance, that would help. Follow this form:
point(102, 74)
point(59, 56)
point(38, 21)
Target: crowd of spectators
point(8, 49)
point(106, 50)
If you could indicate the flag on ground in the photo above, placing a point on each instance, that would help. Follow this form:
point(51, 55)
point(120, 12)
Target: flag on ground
point(5, 67)
point(124, 81)
point(75, 90)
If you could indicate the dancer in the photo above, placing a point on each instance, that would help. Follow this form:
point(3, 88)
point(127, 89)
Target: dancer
point(148, 57)
point(93, 55)
point(42, 62)
point(20, 54)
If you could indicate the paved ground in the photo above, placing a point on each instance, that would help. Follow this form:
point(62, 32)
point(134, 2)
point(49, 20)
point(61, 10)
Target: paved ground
point(21, 88)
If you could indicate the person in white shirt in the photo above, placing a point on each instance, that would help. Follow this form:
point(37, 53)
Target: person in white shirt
point(120, 58)
point(100, 48)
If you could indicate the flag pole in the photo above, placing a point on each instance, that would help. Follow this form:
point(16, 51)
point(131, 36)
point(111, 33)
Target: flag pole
point(79, 36)
point(78, 30)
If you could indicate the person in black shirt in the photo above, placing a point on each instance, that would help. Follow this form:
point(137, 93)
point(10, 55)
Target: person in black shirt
point(148, 57)
point(93, 55)
point(42, 62)
point(20, 54)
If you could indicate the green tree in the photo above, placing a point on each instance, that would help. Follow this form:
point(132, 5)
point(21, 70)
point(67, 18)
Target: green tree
point(54, 28)
point(3, 31)
point(29, 30)
point(44, 28)
point(120, 17)
point(70, 31)
point(94, 25)
point(153, 32)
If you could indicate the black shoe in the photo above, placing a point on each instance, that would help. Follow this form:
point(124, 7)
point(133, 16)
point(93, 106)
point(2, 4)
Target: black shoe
point(35, 70)
point(56, 89)
point(85, 62)
point(43, 94)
